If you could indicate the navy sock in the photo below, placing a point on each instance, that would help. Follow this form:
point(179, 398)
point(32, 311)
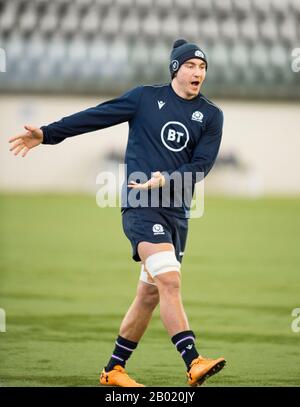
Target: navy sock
point(121, 353)
point(185, 344)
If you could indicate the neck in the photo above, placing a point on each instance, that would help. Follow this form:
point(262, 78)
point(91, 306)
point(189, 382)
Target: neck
point(180, 92)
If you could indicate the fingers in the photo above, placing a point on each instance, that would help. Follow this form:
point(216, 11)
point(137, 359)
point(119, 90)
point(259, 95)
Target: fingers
point(26, 149)
point(29, 128)
point(157, 180)
point(19, 148)
point(153, 182)
point(16, 144)
point(136, 185)
point(18, 137)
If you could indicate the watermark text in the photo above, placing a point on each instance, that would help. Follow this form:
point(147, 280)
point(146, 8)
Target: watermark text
point(296, 322)
point(2, 320)
point(2, 60)
point(182, 190)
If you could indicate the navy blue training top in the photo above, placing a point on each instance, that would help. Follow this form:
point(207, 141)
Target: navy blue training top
point(166, 133)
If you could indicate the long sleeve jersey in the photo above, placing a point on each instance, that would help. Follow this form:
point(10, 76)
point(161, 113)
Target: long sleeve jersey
point(166, 133)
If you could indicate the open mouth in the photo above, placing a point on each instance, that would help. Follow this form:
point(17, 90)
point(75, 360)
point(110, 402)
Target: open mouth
point(195, 83)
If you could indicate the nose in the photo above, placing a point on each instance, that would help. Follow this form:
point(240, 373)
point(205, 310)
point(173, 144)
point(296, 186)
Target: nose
point(197, 72)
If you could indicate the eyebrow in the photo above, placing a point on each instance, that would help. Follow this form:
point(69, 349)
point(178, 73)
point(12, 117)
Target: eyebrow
point(193, 63)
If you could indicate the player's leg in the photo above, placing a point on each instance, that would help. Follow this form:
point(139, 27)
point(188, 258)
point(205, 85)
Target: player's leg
point(164, 268)
point(169, 286)
point(132, 329)
point(140, 312)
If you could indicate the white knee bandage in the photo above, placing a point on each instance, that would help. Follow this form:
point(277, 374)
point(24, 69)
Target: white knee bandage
point(162, 262)
point(144, 276)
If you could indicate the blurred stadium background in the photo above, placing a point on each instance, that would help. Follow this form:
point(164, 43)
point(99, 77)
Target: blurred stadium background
point(58, 57)
point(63, 56)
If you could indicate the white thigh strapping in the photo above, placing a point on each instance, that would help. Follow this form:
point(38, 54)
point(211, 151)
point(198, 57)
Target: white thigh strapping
point(144, 276)
point(162, 262)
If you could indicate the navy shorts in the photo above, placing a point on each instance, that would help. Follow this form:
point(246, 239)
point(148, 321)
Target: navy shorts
point(154, 226)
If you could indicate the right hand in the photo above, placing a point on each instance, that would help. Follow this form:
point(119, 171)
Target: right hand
point(157, 180)
point(27, 140)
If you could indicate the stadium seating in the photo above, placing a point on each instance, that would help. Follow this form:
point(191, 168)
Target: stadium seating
point(123, 42)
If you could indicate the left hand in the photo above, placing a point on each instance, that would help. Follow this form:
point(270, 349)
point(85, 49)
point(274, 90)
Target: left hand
point(157, 180)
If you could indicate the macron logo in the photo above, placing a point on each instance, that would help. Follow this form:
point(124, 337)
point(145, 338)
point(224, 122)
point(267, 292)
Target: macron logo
point(160, 104)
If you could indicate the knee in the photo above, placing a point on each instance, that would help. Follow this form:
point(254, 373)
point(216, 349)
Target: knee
point(150, 300)
point(169, 283)
point(148, 297)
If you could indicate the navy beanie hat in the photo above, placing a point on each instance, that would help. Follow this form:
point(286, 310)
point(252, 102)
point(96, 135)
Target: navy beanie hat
point(183, 51)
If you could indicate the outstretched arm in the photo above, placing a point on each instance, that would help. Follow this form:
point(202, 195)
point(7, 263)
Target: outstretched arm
point(107, 114)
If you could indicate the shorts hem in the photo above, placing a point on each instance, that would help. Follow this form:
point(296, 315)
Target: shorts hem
point(135, 254)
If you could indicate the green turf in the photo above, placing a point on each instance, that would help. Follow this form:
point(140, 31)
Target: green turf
point(67, 278)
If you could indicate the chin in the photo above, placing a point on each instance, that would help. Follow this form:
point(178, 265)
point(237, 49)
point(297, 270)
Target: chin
point(194, 92)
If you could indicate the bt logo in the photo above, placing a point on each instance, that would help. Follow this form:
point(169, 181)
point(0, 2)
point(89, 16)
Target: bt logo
point(174, 136)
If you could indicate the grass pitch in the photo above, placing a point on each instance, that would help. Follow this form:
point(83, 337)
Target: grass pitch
point(67, 279)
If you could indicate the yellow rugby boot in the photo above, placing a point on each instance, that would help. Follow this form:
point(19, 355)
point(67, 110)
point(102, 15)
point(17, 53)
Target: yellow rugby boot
point(202, 368)
point(118, 377)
